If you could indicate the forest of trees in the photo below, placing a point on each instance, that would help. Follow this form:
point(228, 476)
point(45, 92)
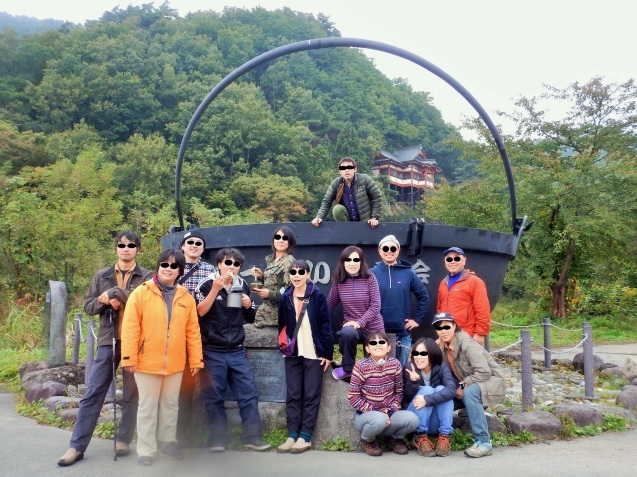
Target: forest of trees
point(91, 118)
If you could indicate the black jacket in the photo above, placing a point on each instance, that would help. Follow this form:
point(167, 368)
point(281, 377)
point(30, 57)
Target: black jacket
point(440, 375)
point(105, 280)
point(222, 327)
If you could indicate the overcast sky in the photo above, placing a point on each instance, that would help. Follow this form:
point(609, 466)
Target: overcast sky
point(497, 49)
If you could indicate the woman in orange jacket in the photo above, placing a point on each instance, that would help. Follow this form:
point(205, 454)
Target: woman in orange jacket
point(160, 325)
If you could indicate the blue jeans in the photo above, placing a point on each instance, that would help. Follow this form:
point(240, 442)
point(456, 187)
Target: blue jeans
point(472, 400)
point(374, 423)
point(97, 385)
point(433, 419)
point(223, 369)
point(403, 350)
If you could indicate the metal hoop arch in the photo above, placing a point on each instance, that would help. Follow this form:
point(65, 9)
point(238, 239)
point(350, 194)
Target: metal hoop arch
point(339, 42)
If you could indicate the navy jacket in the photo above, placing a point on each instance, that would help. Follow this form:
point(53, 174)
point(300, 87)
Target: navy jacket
point(319, 315)
point(396, 284)
point(440, 375)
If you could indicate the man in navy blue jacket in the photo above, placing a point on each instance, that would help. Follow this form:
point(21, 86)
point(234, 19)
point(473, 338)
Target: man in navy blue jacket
point(397, 281)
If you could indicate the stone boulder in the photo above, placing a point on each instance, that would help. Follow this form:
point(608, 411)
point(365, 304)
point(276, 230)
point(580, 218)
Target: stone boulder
point(630, 368)
point(628, 397)
point(634, 382)
point(30, 367)
point(582, 414)
point(578, 362)
point(612, 371)
point(265, 337)
point(69, 414)
point(37, 391)
point(336, 416)
point(541, 423)
point(67, 374)
point(617, 411)
point(60, 402)
point(461, 421)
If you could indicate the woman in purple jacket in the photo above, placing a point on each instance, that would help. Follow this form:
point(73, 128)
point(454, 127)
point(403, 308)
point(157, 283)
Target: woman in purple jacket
point(357, 290)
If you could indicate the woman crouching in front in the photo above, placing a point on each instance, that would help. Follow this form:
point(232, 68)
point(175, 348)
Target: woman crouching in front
point(376, 393)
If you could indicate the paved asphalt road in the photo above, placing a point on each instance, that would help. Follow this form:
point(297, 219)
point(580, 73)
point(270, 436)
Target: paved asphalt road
point(28, 449)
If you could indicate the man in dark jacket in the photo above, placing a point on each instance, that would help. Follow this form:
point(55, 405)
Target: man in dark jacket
point(223, 303)
point(356, 197)
point(396, 282)
point(107, 297)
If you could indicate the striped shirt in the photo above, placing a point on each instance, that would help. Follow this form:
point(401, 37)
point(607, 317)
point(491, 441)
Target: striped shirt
point(361, 302)
point(376, 388)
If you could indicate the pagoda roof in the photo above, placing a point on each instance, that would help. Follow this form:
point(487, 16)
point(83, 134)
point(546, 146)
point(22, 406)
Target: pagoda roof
point(405, 155)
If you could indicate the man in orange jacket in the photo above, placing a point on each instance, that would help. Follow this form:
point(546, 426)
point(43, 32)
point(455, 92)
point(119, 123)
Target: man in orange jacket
point(463, 295)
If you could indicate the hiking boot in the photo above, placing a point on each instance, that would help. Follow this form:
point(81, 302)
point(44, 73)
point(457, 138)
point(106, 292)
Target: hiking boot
point(255, 443)
point(371, 448)
point(70, 457)
point(286, 446)
point(145, 460)
point(340, 373)
point(424, 445)
point(398, 446)
point(479, 449)
point(121, 449)
point(300, 446)
point(443, 445)
point(172, 451)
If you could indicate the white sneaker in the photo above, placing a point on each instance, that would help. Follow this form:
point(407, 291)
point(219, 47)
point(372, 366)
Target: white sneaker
point(300, 446)
point(286, 446)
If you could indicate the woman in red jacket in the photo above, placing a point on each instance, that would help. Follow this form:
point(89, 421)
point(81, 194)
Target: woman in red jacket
point(160, 326)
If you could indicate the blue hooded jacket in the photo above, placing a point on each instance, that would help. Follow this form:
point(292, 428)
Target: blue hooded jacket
point(396, 283)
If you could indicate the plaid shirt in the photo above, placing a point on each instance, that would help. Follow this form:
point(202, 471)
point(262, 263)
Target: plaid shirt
point(202, 270)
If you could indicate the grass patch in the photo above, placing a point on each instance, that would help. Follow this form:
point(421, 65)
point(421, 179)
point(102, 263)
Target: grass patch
point(338, 444)
point(41, 414)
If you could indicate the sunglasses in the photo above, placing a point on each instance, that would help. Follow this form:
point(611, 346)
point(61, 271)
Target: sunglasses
point(453, 259)
point(230, 263)
point(419, 353)
point(355, 260)
point(173, 265)
point(196, 244)
point(294, 271)
point(124, 245)
point(377, 342)
point(391, 249)
point(281, 237)
point(440, 328)
point(345, 168)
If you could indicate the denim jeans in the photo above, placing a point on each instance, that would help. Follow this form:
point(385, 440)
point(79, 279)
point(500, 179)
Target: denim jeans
point(433, 419)
point(223, 369)
point(403, 349)
point(97, 385)
point(374, 423)
point(472, 400)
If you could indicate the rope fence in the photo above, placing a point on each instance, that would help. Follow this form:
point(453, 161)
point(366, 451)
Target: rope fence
point(526, 361)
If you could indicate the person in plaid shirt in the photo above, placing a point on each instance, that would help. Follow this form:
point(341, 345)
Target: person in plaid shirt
point(193, 246)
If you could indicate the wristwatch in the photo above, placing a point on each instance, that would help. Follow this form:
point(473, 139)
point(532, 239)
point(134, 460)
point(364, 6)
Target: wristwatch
point(462, 385)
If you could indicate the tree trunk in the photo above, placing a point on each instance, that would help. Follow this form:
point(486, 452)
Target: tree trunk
point(560, 284)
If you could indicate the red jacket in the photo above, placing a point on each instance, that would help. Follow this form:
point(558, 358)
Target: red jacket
point(467, 302)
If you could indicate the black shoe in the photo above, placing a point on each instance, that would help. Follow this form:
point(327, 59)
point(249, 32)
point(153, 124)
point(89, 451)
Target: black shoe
point(171, 451)
point(255, 443)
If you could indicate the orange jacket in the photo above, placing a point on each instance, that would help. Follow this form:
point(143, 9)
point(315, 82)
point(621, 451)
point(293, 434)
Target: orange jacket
point(149, 342)
point(467, 302)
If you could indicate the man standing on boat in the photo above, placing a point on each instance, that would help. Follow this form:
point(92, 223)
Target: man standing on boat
point(464, 296)
point(355, 196)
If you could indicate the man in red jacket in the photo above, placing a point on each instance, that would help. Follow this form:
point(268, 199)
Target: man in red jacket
point(462, 294)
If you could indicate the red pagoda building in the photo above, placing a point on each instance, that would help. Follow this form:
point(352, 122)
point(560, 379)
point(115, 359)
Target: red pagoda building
point(409, 171)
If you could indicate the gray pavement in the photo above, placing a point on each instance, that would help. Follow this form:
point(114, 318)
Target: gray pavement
point(28, 449)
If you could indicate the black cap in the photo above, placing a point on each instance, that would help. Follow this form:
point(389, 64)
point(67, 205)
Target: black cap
point(193, 234)
point(442, 316)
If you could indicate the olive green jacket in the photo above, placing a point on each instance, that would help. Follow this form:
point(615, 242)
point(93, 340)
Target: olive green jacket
point(369, 198)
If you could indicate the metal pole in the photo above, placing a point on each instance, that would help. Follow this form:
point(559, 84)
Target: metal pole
point(527, 371)
point(90, 349)
point(547, 343)
point(589, 378)
point(77, 332)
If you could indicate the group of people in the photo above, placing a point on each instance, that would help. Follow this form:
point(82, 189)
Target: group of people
point(166, 325)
